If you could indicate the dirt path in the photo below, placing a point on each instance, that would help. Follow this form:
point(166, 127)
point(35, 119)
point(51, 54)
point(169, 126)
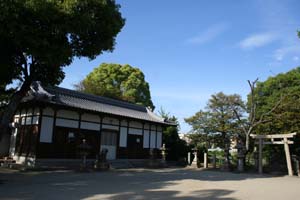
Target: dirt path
point(146, 184)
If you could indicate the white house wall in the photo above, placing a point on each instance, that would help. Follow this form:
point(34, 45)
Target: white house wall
point(146, 139)
point(90, 126)
point(67, 123)
point(135, 131)
point(46, 129)
point(110, 127)
point(67, 114)
point(135, 124)
point(152, 139)
point(123, 137)
point(159, 140)
point(35, 120)
point(110, 120)
point(90, 118)
point(48, 111)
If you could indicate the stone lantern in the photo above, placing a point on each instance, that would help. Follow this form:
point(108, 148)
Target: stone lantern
point(241, 155)
point(84, 149)
point(163, 154)
point(195, 160)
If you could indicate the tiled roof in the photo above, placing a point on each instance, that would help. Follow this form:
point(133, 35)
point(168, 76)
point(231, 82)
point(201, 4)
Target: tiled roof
point(75, 99)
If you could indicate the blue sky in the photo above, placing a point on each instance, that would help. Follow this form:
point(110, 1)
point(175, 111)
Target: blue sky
point(189, 50)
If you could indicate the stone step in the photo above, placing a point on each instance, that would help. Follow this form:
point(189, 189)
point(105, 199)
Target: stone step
point(128, 163)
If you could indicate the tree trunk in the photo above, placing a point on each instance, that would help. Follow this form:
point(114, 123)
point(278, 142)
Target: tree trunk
point(247, 142)
point(8, 114)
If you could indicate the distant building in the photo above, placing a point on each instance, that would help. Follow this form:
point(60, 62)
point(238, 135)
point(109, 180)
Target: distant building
point(185, 137)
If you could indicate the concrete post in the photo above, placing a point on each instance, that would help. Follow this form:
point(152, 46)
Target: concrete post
point(189, 158)
point(214, 160)
point(288, 157)
point(205, 161)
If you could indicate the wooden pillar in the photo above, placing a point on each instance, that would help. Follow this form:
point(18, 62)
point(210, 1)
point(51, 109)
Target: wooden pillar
point(288, 157)
point(260, 164)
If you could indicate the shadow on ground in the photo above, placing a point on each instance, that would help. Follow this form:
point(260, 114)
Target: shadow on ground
point(121, 184)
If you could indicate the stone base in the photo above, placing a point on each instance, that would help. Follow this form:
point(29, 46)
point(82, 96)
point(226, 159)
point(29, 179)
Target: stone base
point(102, 166)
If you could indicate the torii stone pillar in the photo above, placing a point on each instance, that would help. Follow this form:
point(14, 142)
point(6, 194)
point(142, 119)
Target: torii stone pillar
point(275, 139)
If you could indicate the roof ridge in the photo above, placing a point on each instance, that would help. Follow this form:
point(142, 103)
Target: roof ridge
point(92, 97)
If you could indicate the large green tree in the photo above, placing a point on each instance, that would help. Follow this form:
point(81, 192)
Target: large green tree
point(117, 81)
point(202, 130)
point(39, 37)
point(218, 122)
point(282, 90)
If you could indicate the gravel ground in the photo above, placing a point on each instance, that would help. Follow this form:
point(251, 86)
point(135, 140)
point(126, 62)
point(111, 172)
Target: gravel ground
point(179, 183)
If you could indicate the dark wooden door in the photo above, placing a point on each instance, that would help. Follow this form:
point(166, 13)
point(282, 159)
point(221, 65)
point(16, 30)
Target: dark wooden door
point(135, 146)
point(67, 141)
point(93, 140)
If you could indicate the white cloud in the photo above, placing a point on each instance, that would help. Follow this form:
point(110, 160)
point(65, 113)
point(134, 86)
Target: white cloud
point(258, 40)
point(280, 53)
point(209, 34)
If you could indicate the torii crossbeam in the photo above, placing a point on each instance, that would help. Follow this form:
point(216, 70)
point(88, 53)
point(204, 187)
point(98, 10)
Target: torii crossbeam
point(275, 139)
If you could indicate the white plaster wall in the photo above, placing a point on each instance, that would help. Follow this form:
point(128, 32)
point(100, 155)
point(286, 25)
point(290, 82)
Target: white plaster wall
point(146, 139)
point(110, 127)
point(35, 120)
point(153, 127)
point(146, 126)
point(159, 128)
point(159, 139)
point(23, 115)
point(67, 114)
point(46, 129)
point(135, 131)
point(123, 137)
point(48, 111)
point(90, 118)
point(23, 121)
point(28, 120)
point(152, 139)
point(90, 126)
point(124, 123)
point(110, 120)
point(134, 124)
point(67, 123)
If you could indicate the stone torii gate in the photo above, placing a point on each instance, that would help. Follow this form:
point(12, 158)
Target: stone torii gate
point(274, 139)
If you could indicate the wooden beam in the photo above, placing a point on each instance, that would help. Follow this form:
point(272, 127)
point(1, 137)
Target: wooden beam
point(276, 142)
point(289, 135)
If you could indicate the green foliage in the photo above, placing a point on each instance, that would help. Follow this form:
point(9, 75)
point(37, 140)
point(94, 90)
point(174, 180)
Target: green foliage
point(283, 88)
point(177, 148)
point(38, 38)
point(218, 122)
point(119, 82)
